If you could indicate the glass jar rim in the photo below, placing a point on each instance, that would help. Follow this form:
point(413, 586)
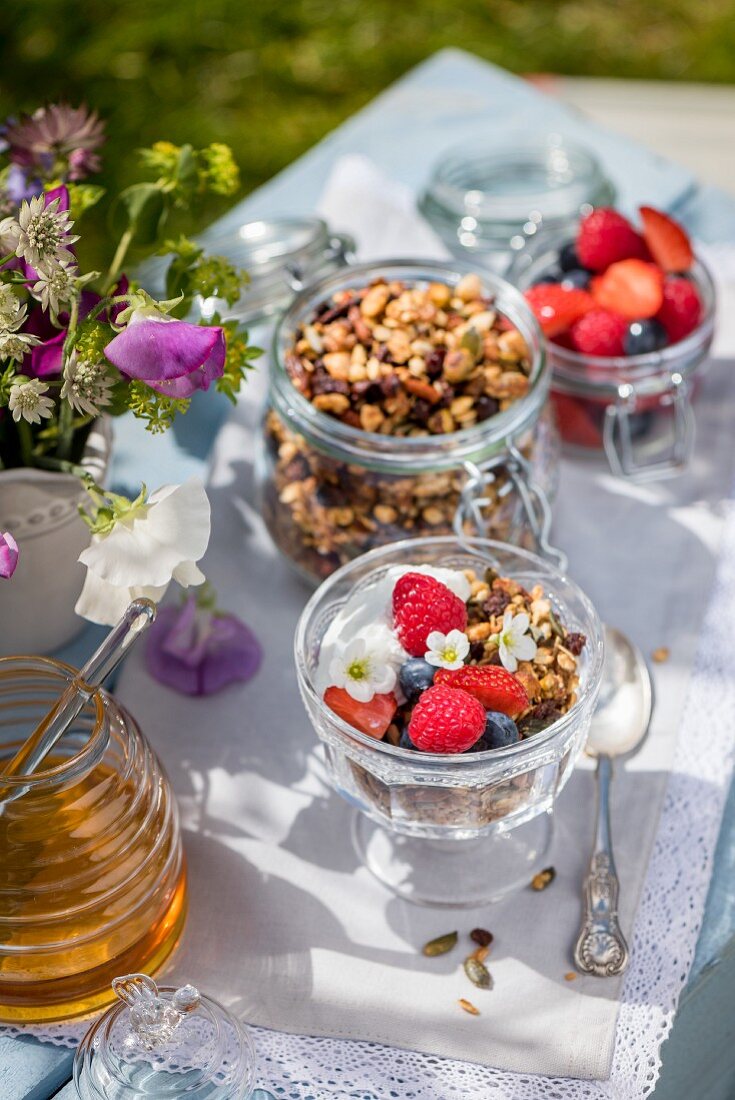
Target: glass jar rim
point(552, 732)
point(580, 165)
point(93, 747)
point(409, 454)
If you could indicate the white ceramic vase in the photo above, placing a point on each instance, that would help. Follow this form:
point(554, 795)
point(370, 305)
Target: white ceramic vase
point(40, 509)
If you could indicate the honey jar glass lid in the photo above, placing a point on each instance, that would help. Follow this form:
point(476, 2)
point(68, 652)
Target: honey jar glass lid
point(164, 1043)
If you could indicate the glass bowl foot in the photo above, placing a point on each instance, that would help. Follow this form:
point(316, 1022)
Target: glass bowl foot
point(453, 873)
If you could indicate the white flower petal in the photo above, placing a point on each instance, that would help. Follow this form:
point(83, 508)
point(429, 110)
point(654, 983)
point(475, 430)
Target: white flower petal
point(507, 621)
point(360, 690)
point(181, 518)
point(188, 574)
point(524, 648)
point(105, 603)
point(383, 679)
point(436, 641)
point(520, 624)
point(507, 658)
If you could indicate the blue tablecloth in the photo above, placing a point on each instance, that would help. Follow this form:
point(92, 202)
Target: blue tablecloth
point(442, 101)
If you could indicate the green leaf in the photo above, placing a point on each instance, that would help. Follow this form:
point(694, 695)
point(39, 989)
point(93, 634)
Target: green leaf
point(142, 208)
point(82, 196)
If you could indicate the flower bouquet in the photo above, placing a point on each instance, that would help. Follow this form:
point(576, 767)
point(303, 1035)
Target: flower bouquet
point(79, 347)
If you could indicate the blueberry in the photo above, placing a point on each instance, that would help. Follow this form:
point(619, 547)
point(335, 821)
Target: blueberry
point(406, 742)
point(500, 730)
point(551, 276)
point(577, 277)
point(480, 746)
point(568, 258)
point(643, 337)
point(415, 676)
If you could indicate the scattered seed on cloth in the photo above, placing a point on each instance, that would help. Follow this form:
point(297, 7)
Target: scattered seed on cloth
point(661, 654)
point(543, 879)
point(468, 1007)
point(478, 973)
point(440, 945)
point(481, 936)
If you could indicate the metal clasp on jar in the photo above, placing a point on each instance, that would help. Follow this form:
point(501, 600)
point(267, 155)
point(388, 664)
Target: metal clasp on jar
point(536, 510)
point(339, 251)
point(628, 459)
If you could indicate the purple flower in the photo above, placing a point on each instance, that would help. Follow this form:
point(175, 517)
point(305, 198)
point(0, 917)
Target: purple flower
point(8, 555)
point(19, 185)
point(53, 134)
point(198, 652)
point(45, 359)
point(173, 357)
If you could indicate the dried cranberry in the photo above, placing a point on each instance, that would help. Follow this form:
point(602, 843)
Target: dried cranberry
point(485, 407)
point(477, 651)
point(496, 603)
point(371, 391)
point(435, 362)
point(327, 384)
point(382, 354)
point(421, 411)
point(297, 469)
point(575, 643)
point(389, 385)
point(481, 936)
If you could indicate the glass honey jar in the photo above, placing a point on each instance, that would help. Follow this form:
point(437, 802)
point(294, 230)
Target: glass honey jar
point(92, 874)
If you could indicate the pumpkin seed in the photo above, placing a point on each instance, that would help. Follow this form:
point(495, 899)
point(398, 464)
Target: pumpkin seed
point(543, 879)
point(440, 945)
point(468, 1007)
point(478, 973)
point(471, 340)
point(555, 626)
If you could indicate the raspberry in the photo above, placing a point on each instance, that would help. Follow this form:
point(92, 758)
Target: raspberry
point(599, 332)
point(606, 237)
point(492, 685)
point(681, 310)
point(556, 307)
point(372, 718)
point(667, 242)
point(446, 720)
point(632, 288)
point(422, 604)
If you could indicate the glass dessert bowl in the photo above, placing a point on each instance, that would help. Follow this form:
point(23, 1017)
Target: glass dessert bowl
point(625, 374)
point(393, 387)
point(467, 824)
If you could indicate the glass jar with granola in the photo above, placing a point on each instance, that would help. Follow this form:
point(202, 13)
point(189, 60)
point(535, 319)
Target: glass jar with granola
point(406, 399)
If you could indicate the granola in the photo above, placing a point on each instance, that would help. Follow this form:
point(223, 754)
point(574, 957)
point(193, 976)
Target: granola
point(460, 663)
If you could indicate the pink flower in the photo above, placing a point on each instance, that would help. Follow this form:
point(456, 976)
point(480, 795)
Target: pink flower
point(198, 652)
point(8, 555)
point(173, 357)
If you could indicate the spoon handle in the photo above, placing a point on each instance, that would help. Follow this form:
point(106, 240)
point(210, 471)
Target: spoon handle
point(601, 948)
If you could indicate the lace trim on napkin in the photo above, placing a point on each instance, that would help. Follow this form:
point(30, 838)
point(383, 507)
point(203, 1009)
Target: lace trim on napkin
point(663, 942)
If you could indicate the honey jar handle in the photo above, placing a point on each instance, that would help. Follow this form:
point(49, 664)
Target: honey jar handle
point(138, 615)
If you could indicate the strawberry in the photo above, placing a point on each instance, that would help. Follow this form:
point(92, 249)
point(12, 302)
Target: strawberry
point(421, 605)
point(492, 685)
point(667, 242)
point(632, 288)
point(446, 720)
point(557, 307)
point(575, 421)
point(605, 237)
point(599, 332)
point(681, 310)
point(372, 718)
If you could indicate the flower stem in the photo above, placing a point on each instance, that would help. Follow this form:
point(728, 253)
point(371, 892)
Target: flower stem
point(119, 258)
point(25, 436)
point(60, 465)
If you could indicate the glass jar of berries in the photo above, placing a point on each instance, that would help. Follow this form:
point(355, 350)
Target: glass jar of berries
point(629, 316)
point(406, 398)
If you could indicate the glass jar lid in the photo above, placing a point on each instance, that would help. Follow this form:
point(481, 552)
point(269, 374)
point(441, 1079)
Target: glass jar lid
point(164, 1042)
point(487, 199)
point(280, 255)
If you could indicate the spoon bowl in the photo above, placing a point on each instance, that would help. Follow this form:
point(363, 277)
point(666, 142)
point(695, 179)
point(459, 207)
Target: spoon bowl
point(624, 708)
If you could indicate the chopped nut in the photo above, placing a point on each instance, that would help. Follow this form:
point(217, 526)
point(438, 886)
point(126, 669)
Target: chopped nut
point(433, 516)
point(422, 389)
point(661, 655)
point(375, 300)
point(371, 418)
point(338, 364)
point(570, 976)
point(543, 879)
point(385, 514)
point(468, 287)
point(458, 365)
point(468, 1006)
point(332, 403)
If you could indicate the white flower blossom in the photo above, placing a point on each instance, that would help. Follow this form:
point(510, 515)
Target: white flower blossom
point(157, 541)
point(27, 399)
point(514, 642)
point(15, 345)
point(45, 235)
point(447, 650)
point(12, 310)
point(56, 287)
point(9, 233)
point(87, 386)
point(365, 666)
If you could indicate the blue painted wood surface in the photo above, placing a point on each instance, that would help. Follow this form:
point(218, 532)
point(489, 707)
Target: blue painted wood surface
point(403, 130)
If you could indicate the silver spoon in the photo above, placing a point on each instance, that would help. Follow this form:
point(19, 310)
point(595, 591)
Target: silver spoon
point(619, 726)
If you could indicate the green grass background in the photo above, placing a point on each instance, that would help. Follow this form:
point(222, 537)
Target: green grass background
point(270, 77)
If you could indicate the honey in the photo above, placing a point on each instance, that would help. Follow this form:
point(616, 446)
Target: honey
point(92, 875)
